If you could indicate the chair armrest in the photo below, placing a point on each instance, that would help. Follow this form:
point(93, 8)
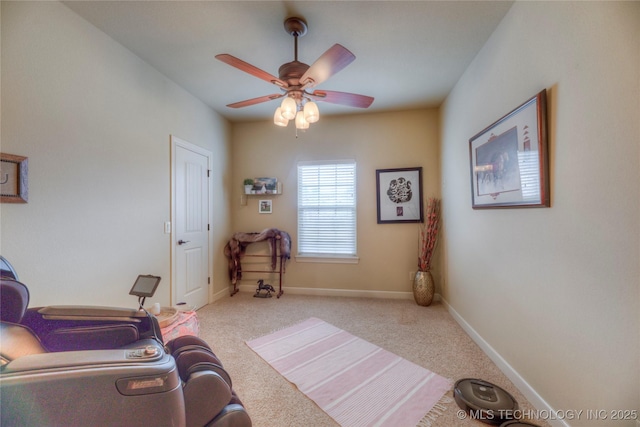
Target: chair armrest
point(92, 388)
point(84, 358)
point(68, 328)
point(87, 312)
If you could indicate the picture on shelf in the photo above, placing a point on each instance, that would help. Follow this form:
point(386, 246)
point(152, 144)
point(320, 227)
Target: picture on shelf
point(265, 185)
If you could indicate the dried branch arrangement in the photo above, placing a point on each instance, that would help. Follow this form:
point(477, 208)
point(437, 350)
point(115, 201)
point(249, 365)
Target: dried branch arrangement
point(429, 234)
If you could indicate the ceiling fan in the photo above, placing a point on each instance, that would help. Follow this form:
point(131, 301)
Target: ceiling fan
point(295, 78)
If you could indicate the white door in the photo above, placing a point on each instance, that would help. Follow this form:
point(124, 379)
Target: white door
point(190, 237)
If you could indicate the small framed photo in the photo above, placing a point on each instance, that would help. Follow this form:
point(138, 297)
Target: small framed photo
point(14, 184)
point(265, 206)
point(399, 195)
point(509, 159)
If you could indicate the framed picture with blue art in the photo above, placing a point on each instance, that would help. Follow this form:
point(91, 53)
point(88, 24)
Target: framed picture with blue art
point(399, 195)
point(509, 159)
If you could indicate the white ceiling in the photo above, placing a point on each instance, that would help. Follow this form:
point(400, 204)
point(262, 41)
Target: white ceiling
point(409, 54)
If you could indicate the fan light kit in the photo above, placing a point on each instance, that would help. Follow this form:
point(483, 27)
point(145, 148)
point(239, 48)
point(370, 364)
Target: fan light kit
point(296, 77)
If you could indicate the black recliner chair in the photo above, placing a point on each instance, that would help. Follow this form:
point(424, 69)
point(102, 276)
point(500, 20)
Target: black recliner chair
point(103, 366)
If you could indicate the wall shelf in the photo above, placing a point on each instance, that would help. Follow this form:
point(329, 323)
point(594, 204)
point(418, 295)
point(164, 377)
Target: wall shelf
point(262, 194)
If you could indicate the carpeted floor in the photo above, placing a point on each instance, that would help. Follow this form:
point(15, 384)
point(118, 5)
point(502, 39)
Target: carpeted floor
point(426, 336)
point(354, 381)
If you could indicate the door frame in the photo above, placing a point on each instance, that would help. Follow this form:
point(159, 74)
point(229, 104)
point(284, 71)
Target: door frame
point(175, 142)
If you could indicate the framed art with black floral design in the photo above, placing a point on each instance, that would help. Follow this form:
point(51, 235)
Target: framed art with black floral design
point(399, 195)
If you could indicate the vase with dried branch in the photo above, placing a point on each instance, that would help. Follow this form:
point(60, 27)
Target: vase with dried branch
point(423, 284)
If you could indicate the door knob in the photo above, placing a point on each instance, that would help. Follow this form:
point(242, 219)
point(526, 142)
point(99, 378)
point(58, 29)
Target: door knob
point(182, 242)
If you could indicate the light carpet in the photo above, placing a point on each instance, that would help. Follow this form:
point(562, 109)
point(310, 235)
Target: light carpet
point(355, 382)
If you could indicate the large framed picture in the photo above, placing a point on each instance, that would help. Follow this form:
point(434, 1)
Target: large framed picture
point(509, 159)
point(399, 195)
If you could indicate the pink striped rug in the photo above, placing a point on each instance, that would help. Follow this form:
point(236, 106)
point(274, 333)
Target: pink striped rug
point(352, 380)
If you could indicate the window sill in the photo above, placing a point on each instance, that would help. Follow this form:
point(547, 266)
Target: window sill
point(328, 259)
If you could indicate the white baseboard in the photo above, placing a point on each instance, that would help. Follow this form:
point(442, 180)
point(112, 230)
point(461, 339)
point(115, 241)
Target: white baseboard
point(529, 392)
point(220, 294)
point(353, 293)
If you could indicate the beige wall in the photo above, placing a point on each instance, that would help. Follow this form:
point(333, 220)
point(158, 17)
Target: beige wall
point(388, 252)
point(95, 122)
point(555, 292)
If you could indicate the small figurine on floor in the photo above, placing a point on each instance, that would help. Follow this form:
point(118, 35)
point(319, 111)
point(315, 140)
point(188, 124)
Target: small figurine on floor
point(263, 287)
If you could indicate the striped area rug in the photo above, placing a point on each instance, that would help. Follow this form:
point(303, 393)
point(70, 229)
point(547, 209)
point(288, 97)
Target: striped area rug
point(352, 380)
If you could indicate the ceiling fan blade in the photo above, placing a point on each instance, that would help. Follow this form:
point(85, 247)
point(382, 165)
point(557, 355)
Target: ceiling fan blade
point(333, 60)
point(343, 98)
point(248, 68)
point(254, 101)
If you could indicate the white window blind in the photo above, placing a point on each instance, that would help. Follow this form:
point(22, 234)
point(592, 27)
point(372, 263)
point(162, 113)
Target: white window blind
point(327, 208)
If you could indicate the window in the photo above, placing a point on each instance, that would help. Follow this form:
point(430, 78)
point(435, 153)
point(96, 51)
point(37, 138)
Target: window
point(327, 209)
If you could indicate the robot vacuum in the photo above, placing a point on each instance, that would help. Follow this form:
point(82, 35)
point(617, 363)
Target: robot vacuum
point(484, 401)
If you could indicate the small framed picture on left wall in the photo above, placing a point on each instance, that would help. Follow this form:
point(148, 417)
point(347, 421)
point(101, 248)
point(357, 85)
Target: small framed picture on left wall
point(14, 184)
point(265, 206)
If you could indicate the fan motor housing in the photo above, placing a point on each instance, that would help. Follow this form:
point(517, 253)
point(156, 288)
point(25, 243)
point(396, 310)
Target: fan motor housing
point(292, 71)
